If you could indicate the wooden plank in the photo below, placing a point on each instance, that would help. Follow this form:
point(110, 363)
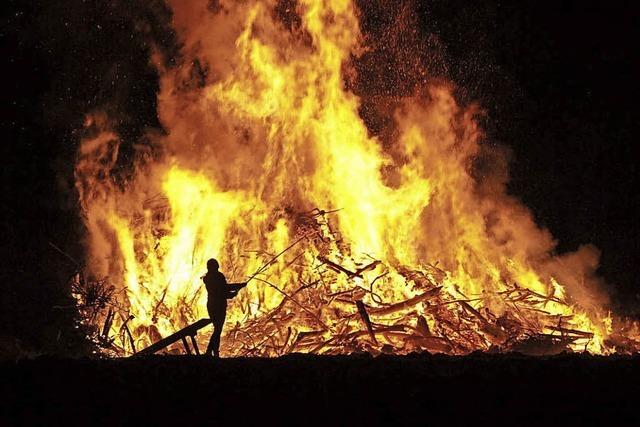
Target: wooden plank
point(195, 344)
point(181, 334)
point(186, 345)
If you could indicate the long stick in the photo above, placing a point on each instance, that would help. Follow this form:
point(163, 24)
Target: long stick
point(265, 266)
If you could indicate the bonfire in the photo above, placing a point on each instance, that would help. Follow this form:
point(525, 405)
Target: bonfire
point(397, 239)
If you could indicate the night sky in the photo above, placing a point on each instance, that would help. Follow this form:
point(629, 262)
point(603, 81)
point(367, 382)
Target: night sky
point(558, 81)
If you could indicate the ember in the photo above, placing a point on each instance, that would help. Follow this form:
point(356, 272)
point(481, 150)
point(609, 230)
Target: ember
point(353, 243)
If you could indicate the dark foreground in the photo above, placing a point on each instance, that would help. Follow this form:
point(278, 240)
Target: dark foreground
point(348, 390)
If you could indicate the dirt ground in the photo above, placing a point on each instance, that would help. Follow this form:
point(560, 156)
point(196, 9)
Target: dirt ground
point(478, 389)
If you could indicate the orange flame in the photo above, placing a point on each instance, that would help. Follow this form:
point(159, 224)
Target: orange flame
point(267, 134)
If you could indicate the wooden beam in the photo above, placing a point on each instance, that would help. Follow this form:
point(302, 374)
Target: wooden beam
point(189, 331)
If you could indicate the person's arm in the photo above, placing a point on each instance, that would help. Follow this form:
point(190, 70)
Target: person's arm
point(207, 283)
point(233, 288)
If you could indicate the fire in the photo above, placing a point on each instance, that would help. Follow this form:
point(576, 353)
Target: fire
point(368, 246)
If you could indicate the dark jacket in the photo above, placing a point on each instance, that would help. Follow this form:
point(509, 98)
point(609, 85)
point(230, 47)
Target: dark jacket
point(219, 290)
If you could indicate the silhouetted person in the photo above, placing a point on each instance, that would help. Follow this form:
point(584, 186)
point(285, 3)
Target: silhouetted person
point(218, 291)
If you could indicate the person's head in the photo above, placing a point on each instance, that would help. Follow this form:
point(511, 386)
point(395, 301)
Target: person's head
point(212, 265)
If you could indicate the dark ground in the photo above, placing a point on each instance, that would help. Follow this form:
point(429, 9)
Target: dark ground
point(558, 80)
point(476, 390)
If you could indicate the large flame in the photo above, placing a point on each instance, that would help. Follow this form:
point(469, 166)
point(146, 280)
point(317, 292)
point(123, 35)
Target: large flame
point(369, 246)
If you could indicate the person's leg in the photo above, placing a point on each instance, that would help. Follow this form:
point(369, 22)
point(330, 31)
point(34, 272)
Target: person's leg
point(212, 316)
point(215, 339)
point(218, 324)
point(211, 341)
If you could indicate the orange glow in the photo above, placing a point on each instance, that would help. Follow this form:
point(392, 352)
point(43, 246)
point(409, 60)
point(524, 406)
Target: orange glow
point(253, 156)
